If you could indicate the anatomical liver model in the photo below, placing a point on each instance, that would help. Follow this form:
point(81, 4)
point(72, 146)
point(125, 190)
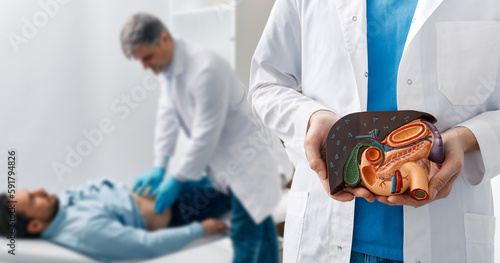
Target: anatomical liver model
point(379, 151)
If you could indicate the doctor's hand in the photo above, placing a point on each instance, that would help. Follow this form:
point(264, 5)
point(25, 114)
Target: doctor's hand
point(319, 125)
point(457, 141)
point(166, 194)
point(151, 178)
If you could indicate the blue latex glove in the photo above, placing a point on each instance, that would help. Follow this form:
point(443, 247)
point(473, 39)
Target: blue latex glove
point(166, 194)
point(152, 178)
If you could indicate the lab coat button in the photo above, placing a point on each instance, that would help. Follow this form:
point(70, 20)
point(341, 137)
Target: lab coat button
point(366, 74)
point(409, 81)
point(339, 248)
point(354, 18)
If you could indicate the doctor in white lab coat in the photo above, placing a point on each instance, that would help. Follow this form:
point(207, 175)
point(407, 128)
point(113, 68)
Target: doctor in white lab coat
point(201, 95)
point(449, 68)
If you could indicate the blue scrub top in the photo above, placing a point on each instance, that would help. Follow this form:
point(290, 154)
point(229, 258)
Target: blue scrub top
point(378, 228)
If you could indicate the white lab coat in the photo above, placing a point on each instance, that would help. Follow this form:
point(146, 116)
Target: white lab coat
point(201, 95)
point(449, 68)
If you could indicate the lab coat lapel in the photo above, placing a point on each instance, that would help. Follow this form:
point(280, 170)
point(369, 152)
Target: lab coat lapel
point(418, 216)
point(363, 4)
point(352, 15)
point(424, 10)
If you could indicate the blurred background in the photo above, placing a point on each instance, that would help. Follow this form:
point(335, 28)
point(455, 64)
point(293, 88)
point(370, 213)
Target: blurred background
point(75, 108)
point(71, 103)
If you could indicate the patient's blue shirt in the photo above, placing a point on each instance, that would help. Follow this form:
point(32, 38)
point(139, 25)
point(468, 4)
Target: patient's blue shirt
point(101, 220)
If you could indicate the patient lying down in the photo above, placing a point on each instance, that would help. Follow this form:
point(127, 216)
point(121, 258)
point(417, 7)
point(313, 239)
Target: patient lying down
point(104, 220)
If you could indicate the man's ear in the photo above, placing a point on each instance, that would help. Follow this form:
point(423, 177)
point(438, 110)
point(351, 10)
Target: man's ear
point(164, 38)
point(36, 226)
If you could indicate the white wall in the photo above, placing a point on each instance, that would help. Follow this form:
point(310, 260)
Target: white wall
point(251, 18)
point(64, 79)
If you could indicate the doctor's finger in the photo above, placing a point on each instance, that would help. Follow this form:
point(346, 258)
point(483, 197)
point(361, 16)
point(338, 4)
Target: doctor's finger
point(406, 199)
point(452, 165)
point(446, 190)
point(361, 192)
point(343, 196)
point(152, 189)
point(385, 200)
point(143, 186)
point(137, 184)
point(159, 205)
point(449, 169)
point(326, 186)
point(313, 153)
point(403, 199)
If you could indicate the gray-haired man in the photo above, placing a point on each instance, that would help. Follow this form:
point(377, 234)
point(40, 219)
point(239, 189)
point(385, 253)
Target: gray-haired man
point(201, 95)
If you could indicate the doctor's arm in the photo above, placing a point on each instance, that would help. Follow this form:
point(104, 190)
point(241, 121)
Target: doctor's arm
point(275, 76)
point(211, 95)
point(483, 164)
point(166, 133)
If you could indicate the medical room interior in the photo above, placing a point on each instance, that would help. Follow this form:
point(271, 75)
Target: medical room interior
point(64, 75)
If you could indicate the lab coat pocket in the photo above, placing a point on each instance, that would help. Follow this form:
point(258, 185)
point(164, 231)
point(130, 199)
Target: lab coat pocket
point(479, 237)
point(295, 212)
point(468, 56)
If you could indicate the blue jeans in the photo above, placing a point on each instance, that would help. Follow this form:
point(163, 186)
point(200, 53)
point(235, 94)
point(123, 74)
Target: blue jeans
point(357, 257)
point(252, 243)
point(198, 202)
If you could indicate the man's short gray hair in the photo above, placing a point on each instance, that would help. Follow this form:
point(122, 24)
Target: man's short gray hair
point(141, 28)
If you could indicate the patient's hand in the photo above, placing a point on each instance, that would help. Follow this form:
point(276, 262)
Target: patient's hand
point(214, 227)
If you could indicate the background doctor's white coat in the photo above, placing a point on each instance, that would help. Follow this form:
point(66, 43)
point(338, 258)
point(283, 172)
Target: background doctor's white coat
point(65, 79)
